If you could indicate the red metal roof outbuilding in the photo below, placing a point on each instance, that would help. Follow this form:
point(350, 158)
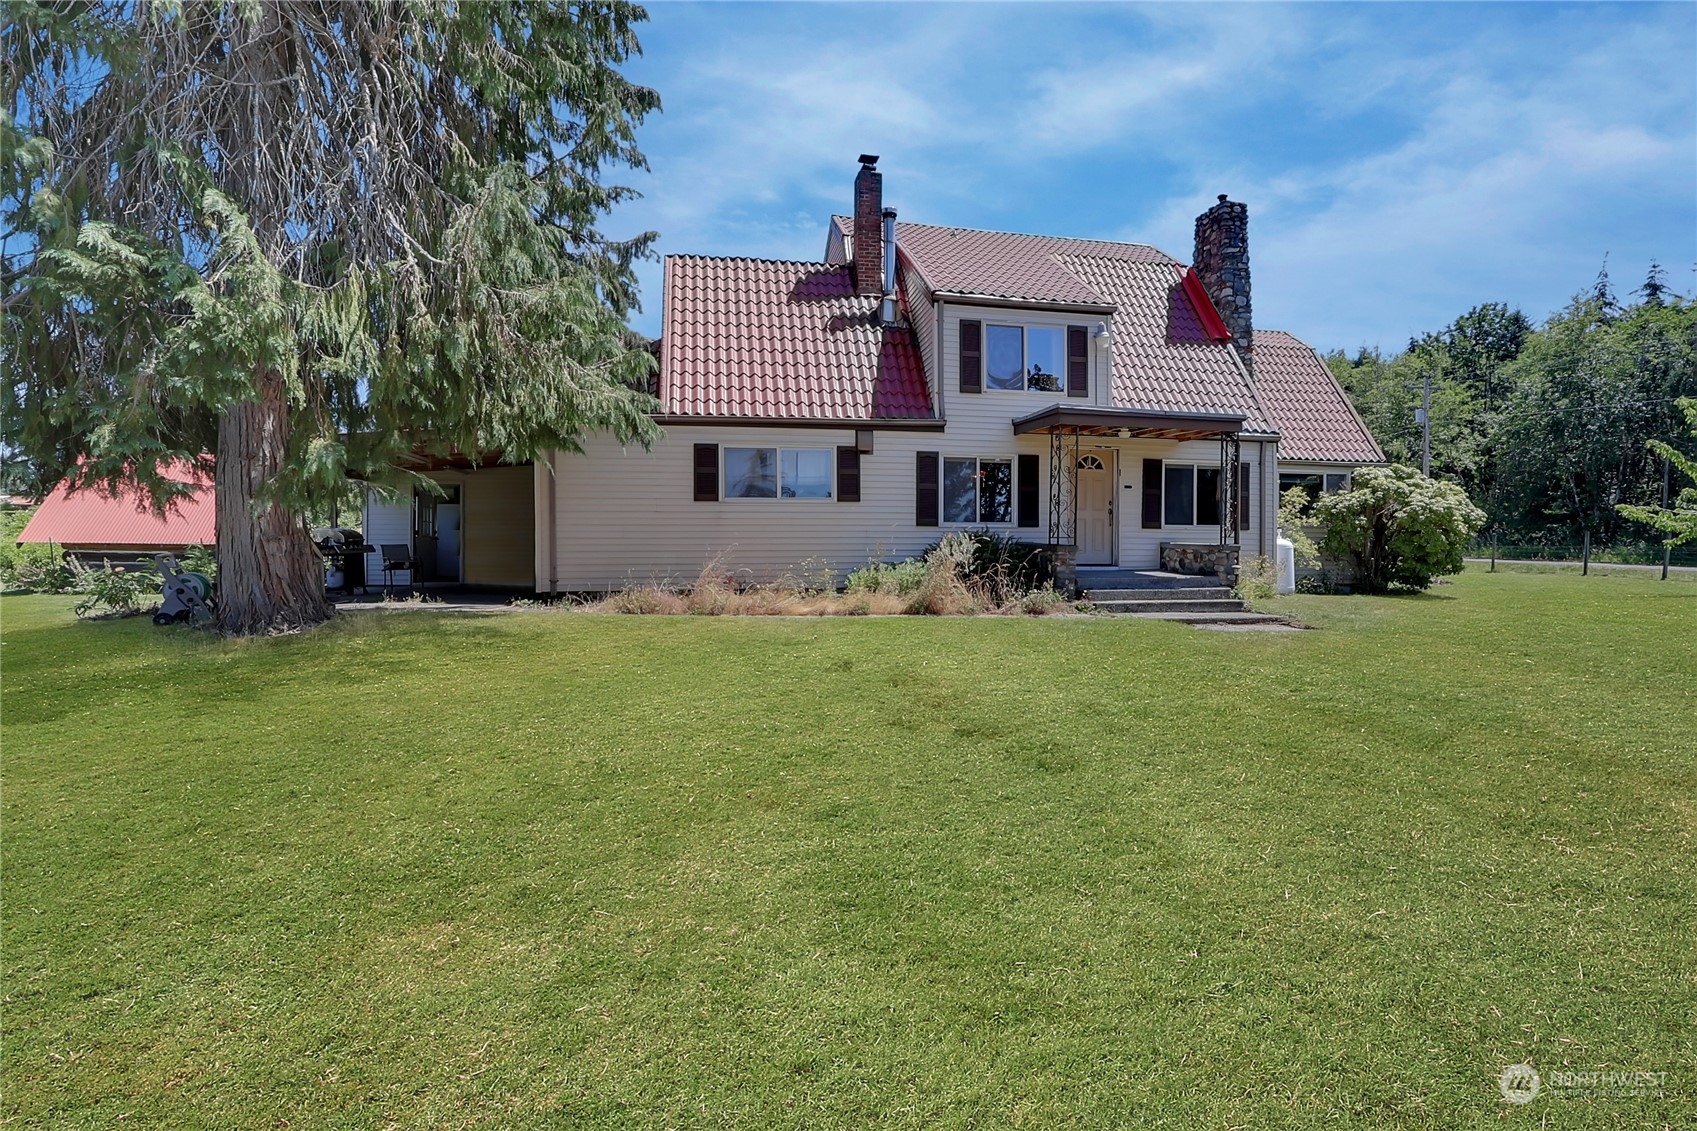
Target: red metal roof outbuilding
point(92, 519)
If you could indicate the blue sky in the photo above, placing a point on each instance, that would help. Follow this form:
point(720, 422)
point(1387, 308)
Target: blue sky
point(1401, 163)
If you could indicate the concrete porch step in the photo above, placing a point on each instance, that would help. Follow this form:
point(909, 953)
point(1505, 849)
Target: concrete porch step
point(1155, 606)
point(1176, 593)
point(1210, 618)
point(1096, 580)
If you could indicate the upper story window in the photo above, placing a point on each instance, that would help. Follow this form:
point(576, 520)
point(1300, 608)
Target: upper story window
point(1000, 357)
point(1031, 358)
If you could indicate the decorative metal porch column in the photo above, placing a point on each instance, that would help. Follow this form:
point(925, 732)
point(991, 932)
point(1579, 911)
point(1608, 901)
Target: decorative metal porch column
point(1063, 508)
point(1231, 461)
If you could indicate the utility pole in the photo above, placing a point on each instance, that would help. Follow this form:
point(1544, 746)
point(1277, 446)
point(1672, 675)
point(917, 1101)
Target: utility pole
point(1667, 492)
point(1426, 425)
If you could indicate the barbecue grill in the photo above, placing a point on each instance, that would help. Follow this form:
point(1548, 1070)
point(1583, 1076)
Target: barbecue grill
point(344, 550)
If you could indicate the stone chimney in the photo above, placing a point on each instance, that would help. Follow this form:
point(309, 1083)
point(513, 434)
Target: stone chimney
point(869, 227)
point(1221, 262)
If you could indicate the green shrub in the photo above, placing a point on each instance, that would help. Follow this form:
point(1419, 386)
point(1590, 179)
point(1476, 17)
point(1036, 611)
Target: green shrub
point(901, 579)
point(202, 560)
point(1397, 528)
point(1003, 559)
point(1316, 584)
point(118, 589)
point(1294, 508)
point(35, 567)
point(40, 571)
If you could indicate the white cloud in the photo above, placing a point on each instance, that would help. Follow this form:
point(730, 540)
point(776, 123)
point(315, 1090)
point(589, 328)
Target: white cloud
point(1400, 164)
point(1508, 189)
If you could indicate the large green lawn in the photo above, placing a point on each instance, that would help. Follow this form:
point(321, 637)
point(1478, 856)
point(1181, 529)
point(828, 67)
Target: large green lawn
point(549, 870)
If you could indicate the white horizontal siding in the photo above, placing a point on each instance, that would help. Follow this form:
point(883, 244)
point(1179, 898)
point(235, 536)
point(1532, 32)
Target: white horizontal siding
point(387, 522)
point(628, 515)
point(497, 524)
point(1003, 405)
point(1140, 548)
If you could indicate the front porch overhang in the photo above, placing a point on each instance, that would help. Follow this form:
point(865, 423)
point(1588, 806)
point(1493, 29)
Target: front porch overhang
point(1068, 425)
point(1129, 423)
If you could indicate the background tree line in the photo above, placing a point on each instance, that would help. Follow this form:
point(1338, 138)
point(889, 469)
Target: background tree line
point(1545, 427)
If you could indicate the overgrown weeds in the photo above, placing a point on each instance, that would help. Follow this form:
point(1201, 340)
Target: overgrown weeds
point(1257, 579)
point(958, 576)
point(415, 598)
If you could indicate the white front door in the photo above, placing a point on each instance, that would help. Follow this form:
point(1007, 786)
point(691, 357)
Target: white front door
point(1096, 507)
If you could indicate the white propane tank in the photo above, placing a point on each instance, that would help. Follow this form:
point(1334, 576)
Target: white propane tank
point(1285, 575)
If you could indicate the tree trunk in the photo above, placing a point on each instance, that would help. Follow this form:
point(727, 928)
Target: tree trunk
point(270, 577)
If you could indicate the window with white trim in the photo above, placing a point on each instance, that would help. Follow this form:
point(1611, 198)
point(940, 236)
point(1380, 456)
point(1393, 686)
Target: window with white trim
point(1191, 495)
point(977, 490)
point(1029, 358)
point(1314, 482)
point(778, 473)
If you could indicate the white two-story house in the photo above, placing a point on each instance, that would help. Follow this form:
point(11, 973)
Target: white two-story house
point(1102, 398)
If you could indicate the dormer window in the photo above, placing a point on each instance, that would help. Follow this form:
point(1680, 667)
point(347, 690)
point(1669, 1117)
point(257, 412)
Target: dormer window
point(1029, 358)
point(999, 357)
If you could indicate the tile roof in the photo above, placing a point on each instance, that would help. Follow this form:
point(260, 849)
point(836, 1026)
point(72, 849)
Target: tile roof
point(782, 340)
point(92, 517)
point(1311, 411)
point(1165, 354)
point(1157, 361)
point(1168, 353)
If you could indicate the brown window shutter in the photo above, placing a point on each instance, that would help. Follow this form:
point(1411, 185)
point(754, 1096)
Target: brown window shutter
point(1078, 361)
point(971, 356)
point(1029, 490)
point(848, 475)
point(707, 473)
point(1243, 507)
point(926, 494)
point(1151, 494)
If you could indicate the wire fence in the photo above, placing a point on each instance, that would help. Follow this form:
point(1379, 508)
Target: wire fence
point(1632, 553)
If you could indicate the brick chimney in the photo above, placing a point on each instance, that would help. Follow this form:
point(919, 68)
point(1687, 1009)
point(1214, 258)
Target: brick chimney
point(869, 227)
point(1221, 262)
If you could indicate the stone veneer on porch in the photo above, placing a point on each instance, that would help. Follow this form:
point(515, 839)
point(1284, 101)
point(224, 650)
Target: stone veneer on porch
point(1202, 559)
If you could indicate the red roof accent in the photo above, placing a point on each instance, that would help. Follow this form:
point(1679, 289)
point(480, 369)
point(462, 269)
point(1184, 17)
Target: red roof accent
point(1212, 325)
point(782, 340)
point(94, 518)
point(1151, 369)
point(1314, 416)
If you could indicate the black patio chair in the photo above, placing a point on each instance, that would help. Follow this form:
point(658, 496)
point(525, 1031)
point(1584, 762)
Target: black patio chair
point(396, 557)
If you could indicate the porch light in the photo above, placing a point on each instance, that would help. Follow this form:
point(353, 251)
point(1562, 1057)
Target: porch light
point(1125, 433)
point(1102, 336)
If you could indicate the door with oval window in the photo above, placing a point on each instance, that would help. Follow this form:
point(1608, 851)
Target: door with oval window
point(1096, 507)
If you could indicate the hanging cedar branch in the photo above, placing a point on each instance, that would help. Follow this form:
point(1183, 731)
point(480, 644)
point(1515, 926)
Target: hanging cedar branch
point(313, 238)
